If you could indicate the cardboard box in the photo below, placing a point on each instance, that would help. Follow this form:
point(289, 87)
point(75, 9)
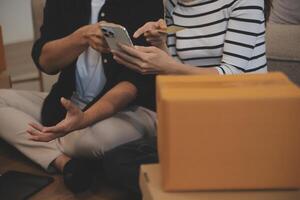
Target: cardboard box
point(150, 183)
point(228, 132)
point(5, 80)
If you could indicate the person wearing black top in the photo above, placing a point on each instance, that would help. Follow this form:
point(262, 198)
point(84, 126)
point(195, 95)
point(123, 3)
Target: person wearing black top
point(87, 124)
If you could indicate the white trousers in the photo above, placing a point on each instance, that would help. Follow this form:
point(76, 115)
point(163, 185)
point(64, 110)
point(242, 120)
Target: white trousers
point(18, 108)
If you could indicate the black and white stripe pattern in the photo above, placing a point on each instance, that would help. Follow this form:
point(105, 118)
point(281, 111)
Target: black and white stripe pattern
point(226, 34)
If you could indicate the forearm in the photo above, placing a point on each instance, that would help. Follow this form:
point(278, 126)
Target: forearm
point(184, 69)
point(59, 53)
point(112, 102)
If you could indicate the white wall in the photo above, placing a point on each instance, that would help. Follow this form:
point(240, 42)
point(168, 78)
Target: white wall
point(16, 20)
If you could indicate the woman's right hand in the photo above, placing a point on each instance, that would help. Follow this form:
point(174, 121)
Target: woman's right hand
point(91, 35)
point(153, 33)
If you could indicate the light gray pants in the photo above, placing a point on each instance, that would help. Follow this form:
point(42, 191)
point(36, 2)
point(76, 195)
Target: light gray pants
point(18, 108)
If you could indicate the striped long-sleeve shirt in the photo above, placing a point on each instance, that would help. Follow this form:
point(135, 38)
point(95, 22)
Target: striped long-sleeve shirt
point(226, 34)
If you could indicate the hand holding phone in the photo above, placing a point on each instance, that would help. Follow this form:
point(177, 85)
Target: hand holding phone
point(115, 34)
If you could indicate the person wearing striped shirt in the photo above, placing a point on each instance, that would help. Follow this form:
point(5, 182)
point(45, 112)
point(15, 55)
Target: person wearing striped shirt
point(219, 37)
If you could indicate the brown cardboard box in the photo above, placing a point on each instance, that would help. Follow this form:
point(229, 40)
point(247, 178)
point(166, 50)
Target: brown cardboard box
point(228, 132)
point(150, 183)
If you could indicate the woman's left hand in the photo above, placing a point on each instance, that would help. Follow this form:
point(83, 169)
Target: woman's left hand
point(145, 60)
point(72, 121)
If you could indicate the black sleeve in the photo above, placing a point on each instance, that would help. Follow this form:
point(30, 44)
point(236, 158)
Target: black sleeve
point(50, 30)
point(143, 12)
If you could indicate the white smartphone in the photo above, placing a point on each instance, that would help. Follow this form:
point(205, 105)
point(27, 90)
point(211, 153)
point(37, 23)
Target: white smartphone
point(115, 34)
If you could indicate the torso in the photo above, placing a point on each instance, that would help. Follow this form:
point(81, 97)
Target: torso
point(206, 22)
point(90, 77)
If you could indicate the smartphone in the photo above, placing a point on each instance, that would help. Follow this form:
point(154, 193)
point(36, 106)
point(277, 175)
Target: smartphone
point(115, 34)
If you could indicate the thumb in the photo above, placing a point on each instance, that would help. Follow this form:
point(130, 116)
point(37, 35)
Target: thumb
point(68, 105)
point(102, 22)
point(162, 24)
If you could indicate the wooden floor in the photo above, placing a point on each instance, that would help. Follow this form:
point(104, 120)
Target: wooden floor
point(10, 159)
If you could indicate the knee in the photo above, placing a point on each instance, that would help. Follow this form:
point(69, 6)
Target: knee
point(112, 133)
point(84, 148)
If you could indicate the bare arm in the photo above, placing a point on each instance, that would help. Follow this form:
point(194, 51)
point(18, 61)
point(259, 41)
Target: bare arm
point(112, 102)
point(149, 60)
point(58, 54)
point(70, 47)
point(184, 69)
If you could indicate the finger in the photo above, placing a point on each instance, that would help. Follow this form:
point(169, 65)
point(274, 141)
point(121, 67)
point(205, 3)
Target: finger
point(124, 62)
point(34, 132)
point(128, 58)
point(36, 126)
point(99, 44)
point(42, 138)
point(148, 26)
point(66, 103)
point(162, 24)
point(139, 32)
point(151, 72)
point(95, 32)
point(95, 41)
point(39, 136)
point(146, 49)
point(132, 52)
point(71, 107)
point(57, 129)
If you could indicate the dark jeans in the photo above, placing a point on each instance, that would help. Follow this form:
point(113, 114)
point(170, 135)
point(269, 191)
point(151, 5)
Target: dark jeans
point(122, 164)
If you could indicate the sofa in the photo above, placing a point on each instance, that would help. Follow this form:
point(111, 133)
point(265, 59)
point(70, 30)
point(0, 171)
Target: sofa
point(283, 39)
